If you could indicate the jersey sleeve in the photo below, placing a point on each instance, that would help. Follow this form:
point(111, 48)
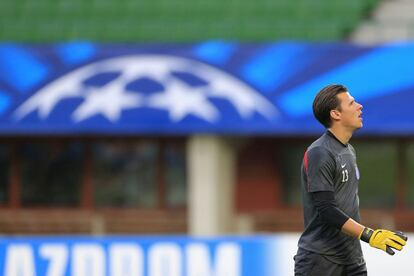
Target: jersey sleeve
point(328, 209)
point(319, 166)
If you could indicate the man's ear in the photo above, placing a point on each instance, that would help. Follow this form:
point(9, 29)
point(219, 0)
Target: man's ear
point(335, 114)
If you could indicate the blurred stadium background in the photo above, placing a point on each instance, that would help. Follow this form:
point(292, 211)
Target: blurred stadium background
point(190, 181)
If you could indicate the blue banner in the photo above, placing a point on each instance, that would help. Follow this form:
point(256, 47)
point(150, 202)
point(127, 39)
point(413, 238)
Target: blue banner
point(141, 256)
point(211, 87)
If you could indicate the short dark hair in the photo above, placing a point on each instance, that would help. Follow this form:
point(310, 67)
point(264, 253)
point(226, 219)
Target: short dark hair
point(325, 101)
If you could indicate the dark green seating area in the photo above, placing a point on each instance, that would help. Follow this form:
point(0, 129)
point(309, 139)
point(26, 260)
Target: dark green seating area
point(179, 20)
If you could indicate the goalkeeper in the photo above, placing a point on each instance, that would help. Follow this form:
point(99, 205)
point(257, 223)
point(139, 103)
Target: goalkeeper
point(330, 242)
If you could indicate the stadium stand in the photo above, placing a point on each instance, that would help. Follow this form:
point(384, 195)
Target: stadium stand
point(179, 20)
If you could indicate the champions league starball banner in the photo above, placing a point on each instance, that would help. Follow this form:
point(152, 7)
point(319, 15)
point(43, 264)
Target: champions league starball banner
point(209, 87)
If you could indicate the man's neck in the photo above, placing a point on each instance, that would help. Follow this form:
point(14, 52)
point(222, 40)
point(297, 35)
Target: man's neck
point(341, 134)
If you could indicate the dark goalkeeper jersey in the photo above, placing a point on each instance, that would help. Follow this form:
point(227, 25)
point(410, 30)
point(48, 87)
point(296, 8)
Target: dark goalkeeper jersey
point(329, 165)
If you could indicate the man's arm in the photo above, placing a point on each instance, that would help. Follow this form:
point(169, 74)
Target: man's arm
point(330, 213)
point(352, 228)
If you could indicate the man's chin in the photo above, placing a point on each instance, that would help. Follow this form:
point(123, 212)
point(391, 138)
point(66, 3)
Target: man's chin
point(358, 126)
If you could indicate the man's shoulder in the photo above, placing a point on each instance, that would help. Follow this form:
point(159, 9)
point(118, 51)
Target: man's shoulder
point(321, 144)
point(327, 142)
point(319, 152)
point(322, 149)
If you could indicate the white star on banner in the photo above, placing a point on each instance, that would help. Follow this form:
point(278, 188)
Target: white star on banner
point(181, 100)
point(108, 101)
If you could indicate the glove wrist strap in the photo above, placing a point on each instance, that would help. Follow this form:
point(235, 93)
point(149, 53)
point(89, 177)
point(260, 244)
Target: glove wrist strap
point(366, 234)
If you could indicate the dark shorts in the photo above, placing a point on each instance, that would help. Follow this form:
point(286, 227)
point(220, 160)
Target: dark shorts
point(312, 264)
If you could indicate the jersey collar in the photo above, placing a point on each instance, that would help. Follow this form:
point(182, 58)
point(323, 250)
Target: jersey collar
point(329, 133)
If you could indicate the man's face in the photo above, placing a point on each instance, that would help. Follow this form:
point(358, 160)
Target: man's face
point(350, 112)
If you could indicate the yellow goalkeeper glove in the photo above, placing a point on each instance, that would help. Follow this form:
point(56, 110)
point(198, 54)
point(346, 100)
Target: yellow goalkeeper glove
point(384, 239)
